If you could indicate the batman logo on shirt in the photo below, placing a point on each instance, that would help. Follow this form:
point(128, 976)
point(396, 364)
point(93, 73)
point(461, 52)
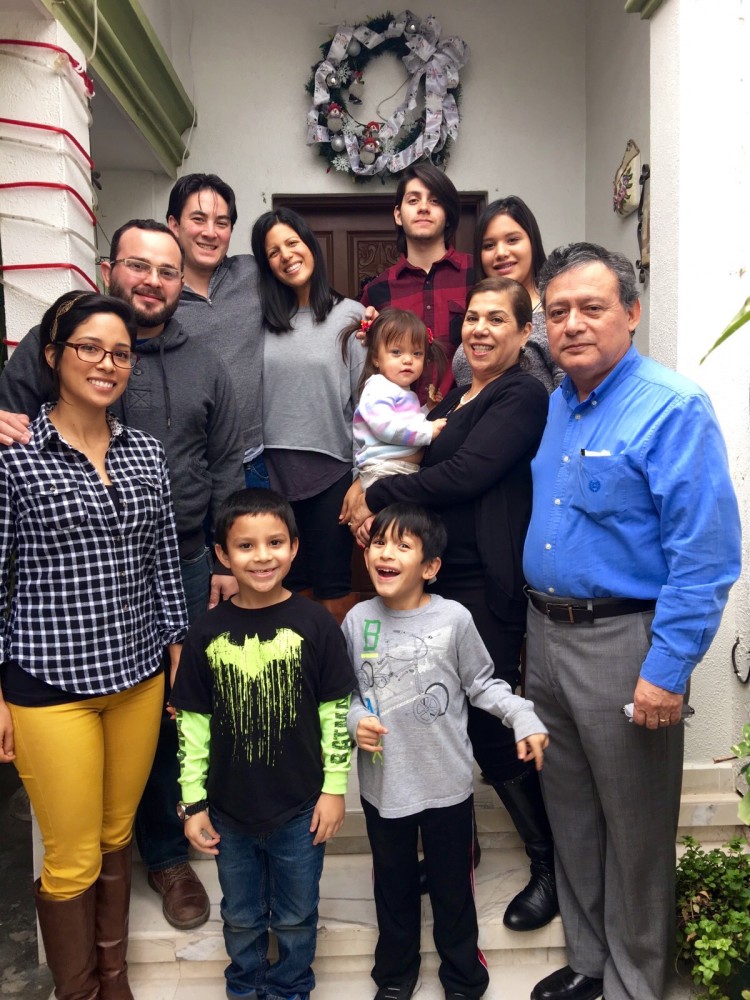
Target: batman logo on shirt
point(257, 683)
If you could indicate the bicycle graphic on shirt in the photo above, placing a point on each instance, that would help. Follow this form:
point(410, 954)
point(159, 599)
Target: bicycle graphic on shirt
point(396, 679)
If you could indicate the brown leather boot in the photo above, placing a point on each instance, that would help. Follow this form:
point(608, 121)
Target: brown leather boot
point(185, 903)
point(112, 918)
point(338, 606)
point(67, 927)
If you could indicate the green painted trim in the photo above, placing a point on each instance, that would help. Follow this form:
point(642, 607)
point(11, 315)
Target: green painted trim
point(133, 66)
point(643, 7)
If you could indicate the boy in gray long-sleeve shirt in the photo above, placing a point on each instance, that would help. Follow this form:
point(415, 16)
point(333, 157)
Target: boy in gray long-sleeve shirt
point(417, 659)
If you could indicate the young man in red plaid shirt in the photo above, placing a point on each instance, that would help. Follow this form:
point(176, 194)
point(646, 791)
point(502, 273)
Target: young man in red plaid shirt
point(430, 278)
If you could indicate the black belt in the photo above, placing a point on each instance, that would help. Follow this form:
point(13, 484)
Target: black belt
point(577, 610)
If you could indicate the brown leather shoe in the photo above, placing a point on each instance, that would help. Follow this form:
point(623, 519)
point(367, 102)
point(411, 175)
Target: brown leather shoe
point(185, 903)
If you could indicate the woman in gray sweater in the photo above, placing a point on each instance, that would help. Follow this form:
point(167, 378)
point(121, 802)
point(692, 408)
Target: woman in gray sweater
point(309, 395)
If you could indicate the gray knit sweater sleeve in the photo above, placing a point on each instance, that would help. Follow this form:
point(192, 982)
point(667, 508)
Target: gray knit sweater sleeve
point(21, 382)
point(415, 670)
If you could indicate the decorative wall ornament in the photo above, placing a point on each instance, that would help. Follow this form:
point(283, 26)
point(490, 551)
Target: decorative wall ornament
point(366, 150)
point(626, 193)
point(644, 225)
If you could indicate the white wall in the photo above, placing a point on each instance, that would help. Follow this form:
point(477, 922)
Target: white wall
point(247, 64)
point(700, 254)
point(617, 109)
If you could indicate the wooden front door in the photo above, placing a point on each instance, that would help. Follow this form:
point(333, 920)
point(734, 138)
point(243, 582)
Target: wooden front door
point(358, 235)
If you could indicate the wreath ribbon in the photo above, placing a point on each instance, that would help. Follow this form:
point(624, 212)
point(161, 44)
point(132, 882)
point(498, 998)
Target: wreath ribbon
point(438, 62)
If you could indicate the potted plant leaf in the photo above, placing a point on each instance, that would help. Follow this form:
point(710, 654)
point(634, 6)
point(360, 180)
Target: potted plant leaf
point(713, 907)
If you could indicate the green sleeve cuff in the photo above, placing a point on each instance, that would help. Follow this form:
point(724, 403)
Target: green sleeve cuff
point(335, 782)
point(193, 747)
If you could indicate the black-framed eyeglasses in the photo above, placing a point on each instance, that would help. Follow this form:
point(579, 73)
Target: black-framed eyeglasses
point(92, 354)
point(143, 268)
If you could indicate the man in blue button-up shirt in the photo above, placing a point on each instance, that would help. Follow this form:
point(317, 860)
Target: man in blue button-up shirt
point(633, 545)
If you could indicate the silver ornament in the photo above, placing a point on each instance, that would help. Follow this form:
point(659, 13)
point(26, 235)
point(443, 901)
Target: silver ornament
point(353, 48)
point(333, 81)
point(411, 27)
point(338, 144)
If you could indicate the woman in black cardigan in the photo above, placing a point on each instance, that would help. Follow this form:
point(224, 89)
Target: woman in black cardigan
point(477, 475)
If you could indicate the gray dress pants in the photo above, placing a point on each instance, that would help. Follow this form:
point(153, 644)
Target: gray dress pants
point(612, 791)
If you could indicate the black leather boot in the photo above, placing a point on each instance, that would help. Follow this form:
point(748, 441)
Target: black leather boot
point(477, 857)
point(536, 904)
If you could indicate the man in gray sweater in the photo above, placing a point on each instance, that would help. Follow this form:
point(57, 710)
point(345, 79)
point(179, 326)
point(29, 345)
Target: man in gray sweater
point(180, 392)
point(220, 299)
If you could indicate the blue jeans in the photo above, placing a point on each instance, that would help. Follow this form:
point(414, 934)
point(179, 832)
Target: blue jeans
point(256, 473)
point(271, 881)
point(158, 831)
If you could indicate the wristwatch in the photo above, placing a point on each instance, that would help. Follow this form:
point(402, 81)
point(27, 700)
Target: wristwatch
point(186, 809)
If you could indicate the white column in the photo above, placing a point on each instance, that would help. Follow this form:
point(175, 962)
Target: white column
point(700, 256)
point(39, 85)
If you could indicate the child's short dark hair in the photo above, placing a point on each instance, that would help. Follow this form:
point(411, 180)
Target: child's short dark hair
point(409, 518)
point(251, 502)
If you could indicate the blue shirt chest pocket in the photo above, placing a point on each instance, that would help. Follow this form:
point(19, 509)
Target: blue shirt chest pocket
point(607, 486)
point(54, 504)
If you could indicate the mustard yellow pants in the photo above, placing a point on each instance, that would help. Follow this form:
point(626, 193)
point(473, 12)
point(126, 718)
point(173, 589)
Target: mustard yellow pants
point(84, 765)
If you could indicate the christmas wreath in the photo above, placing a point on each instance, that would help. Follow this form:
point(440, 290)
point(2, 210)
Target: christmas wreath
point(337, 83)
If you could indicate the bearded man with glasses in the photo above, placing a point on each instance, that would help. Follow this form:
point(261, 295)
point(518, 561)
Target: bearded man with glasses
point(182, 394)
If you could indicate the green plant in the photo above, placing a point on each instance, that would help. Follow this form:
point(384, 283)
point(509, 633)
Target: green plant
point(713, 913)
point(742, 317)
point(740, 750)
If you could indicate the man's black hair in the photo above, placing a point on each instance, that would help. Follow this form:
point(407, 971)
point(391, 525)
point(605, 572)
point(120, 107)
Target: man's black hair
point(442, 188)
point(191, 183)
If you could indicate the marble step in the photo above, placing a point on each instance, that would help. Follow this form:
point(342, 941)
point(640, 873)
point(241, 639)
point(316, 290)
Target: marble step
point(347, 927)
point(347, 915)
point(507, 982)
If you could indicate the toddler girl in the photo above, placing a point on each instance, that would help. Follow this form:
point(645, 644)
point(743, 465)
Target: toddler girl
point(390, 427)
